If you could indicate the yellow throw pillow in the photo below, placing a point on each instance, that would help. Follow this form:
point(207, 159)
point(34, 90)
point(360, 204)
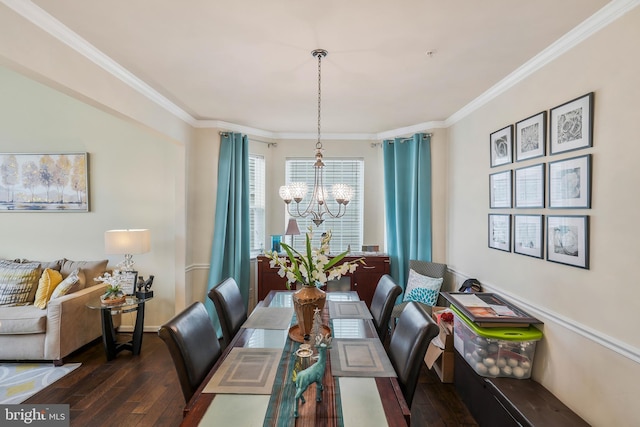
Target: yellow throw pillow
point(48, 282)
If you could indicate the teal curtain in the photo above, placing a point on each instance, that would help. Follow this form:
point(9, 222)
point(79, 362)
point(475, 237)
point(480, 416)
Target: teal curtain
point(230, 248)
point(407, 187)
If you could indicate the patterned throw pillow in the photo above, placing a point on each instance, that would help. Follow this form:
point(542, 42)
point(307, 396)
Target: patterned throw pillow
point(68, 285)
point(422, 289)
point(18, 282)
point(48, 282)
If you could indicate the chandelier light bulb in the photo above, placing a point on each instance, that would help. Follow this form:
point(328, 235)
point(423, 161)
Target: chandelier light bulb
point(285, 194)
point(298, 190)
point(342, 193)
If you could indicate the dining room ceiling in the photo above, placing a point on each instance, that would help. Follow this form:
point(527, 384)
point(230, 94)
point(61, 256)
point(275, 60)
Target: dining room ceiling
point(391, 65)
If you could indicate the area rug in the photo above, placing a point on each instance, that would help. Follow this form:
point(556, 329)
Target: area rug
point(19, 381)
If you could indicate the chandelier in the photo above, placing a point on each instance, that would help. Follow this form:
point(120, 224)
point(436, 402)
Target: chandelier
point(317, 207)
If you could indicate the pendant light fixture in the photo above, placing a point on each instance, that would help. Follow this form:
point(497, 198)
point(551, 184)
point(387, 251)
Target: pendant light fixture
point(296, 191)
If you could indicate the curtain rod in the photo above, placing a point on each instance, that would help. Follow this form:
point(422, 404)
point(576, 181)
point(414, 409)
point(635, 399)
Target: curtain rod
point(376, 144)
point(269, 143)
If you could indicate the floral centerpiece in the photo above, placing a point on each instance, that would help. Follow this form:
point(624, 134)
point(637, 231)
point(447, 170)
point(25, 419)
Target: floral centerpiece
point(315, 267)
point(311, 271)
point(114, 293)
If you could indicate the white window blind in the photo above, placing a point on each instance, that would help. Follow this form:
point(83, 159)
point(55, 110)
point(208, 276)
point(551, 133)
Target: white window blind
point(256, 203)
point(346, 231)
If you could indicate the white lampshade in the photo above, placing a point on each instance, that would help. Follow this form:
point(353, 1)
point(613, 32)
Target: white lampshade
point(127, 241)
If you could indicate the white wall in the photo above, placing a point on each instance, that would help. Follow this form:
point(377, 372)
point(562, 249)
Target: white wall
point(591, 348)
point(134, 182)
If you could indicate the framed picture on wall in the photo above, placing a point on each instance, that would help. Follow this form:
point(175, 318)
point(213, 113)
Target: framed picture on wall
point(570, 183)
point(44, 182)
point(500, 143)
point(568, 240)
point(528, 235)
point(500, 232)
point(529, 187)
point(531, 137)
point(571, 125)
point(500, 190)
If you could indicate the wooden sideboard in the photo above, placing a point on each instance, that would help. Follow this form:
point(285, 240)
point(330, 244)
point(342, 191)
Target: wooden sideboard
point(364, 280)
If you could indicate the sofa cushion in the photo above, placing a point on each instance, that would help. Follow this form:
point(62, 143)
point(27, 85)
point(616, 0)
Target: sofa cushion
point(48, 282)
point(26, 319)
point(68, 285)
point(54, 265)
point(90, 270)
point(18, 282)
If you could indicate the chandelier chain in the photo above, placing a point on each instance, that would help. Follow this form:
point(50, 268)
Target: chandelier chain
point(320, 55)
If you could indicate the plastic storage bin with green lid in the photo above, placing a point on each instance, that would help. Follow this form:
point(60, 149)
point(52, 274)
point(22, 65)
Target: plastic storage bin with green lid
point(495, 352)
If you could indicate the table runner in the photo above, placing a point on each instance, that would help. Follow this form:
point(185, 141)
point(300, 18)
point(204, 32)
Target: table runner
point(269, 318)
point(281, 405)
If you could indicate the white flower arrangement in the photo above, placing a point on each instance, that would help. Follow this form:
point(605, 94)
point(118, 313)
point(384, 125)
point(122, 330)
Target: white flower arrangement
point(314, 268)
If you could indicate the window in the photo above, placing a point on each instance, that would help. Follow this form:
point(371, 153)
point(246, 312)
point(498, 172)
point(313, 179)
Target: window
point(346, 231)
point(256, 203)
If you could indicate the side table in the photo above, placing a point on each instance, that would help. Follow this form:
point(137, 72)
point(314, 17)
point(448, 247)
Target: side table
point(109, 335)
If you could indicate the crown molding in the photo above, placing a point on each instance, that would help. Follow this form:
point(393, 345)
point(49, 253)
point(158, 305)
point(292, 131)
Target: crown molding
point(61, 32)
point(577, 35)
point(55, 28)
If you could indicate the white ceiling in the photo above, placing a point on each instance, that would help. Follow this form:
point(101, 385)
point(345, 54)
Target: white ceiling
point(249, 62)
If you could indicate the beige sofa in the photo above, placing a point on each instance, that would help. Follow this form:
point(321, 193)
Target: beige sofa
point(63, 326)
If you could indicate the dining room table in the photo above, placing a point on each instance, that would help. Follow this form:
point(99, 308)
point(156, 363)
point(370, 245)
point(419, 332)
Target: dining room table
point(252, 384)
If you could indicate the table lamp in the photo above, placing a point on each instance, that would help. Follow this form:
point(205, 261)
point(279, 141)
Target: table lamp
point(292, 229)
point(127, 243)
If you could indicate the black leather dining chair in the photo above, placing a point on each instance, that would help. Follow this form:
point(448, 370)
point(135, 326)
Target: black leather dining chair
point(232, 312)
point(408, 345)
point(384, 298)
point(193, 343)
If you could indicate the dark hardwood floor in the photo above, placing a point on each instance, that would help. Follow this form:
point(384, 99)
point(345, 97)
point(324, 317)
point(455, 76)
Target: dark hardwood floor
point(144, 391)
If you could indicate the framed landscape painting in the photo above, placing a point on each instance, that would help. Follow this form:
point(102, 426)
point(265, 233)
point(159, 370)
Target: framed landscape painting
point(44, 182)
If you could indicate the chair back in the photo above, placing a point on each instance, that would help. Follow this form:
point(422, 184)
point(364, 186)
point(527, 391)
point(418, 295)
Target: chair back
point(428, 268)
point(413, 333)
point(229, 304)
point(384, 297)
point(193, 344)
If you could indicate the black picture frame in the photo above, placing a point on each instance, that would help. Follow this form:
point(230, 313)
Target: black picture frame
point(568, 240)
point(499, 232)
point(128, 282)
point(528, 235)
point(570, 183)
point(531, 137)
point(500, 190)
point(501, 146)
point(571, 125)
point(529, 187)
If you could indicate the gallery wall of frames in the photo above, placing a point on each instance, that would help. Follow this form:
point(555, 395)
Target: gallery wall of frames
point(538, 168)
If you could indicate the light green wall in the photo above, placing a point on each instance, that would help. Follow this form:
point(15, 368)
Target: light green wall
point(590, 316)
